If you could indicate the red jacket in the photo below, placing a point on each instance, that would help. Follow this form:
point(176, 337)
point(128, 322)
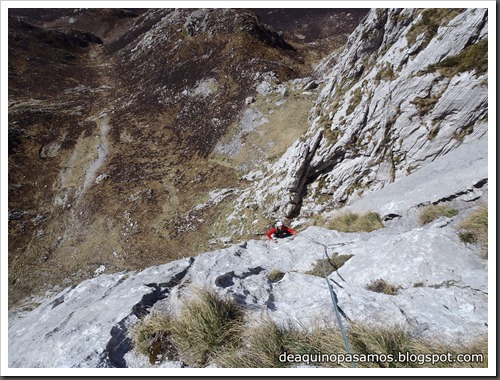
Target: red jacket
point(287, 231)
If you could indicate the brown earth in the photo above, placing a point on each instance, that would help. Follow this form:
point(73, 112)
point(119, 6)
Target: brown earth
point(110, 138)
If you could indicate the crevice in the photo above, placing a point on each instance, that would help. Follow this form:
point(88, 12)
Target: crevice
point(226, 280)
point(120, 343)
point(450, 283)
point(391, 216)
point(270, 304)
point(60, 326)
point(408, 319)
point(62, 298)
point(477, 185)
point(303, 174)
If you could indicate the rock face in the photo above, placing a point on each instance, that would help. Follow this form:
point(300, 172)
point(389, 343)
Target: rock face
point(398, 125)
point(142, 98)
point(442, 284)
point(387, 109)
point(442, 291)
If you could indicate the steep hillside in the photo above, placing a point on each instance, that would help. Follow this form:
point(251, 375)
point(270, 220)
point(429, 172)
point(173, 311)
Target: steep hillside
point(160, 170)
point(410, 86)
point(113, 119)
point(421, 283)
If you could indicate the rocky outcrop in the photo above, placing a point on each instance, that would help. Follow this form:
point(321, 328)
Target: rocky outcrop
point(398, 125)
point(399, 96)
point(442, 291)
point(440, 283)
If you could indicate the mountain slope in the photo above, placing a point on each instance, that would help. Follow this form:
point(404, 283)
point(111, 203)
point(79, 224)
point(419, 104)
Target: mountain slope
point(410, 86)
point(113, 119)
point(399, 123)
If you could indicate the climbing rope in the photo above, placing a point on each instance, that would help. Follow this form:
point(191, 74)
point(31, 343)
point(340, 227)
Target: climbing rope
point(333, 297)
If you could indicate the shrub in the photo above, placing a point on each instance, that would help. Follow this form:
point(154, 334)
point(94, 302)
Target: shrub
point(474, 228)
point(207, 323)
point(381, 286)
point(350, 222)
point(432, 212)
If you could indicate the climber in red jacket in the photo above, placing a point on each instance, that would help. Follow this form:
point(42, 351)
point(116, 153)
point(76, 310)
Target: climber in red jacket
point(280, 231)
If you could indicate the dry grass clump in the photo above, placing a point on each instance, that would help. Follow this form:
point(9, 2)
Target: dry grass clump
point(402, 350)
point(152, 337)
point(267, 344)
point(332, 264)
point(351, 222)
point(382, 286)
point(473, 57)
point(207, 323)
point(211, 330)
point(271, 346)
point(432, 212)
point(275, 275)
point(430, 22)
point(264, 344)
point(474, 229)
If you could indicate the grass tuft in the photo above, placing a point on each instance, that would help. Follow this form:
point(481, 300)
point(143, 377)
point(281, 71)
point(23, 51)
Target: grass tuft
point(473, 57)
point(211, 330)
point(275, 275)
point(474, 228)
point(332, 264)
point(382, 286)
point(267, 345)
point(430, 22)
point(350, 222)
point(152, 337)
point(432, 212)
point(208, 322)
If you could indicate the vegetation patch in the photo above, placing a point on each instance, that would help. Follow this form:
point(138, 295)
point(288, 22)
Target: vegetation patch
point(267, 343)
point(263, 343)
point(382, 286)
point(430, 22)
point(472, 58)
point(332, 264)
point(425, 105)
point(432, 212)
point(275, 275)
point(332, 135)
point(386, 73)
point(206, 323)
point(474, 228)
point(460, 133)
point(433, 133)
point(351, 222)
point(355, 100)
point(152, 337)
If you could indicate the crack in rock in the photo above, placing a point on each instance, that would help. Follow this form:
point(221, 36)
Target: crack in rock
point(62, 298)
point(120, 343)
point(477, 185)
point(226, 280)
